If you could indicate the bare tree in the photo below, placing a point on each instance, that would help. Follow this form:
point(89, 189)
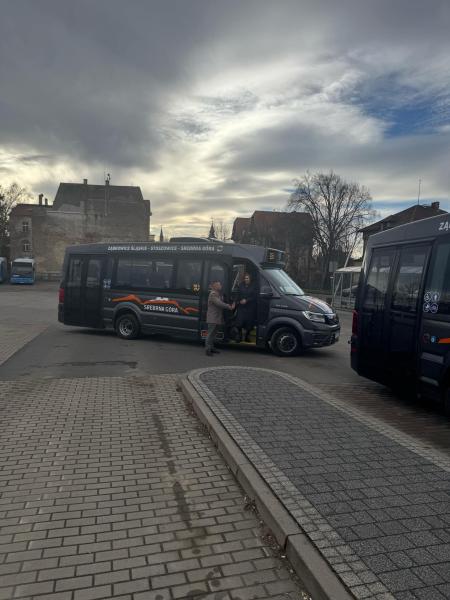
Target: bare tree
point(338, 210)
point(9, 197)
point(219, 230)
point(222, 230)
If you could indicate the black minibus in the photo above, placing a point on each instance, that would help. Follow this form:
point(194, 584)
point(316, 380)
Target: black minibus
point(163, 288)
point(401, 322)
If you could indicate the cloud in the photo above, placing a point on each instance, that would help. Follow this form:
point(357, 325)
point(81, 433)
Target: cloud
point(214, 107)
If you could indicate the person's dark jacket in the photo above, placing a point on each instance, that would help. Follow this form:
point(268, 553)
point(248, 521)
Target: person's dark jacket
point(246, 313)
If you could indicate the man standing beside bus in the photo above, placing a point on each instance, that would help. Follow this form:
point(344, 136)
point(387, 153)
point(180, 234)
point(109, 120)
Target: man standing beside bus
point(214, 316)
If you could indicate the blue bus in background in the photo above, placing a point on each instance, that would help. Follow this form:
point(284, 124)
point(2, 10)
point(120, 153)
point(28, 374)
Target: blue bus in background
point(3, 269)
point(23, 271)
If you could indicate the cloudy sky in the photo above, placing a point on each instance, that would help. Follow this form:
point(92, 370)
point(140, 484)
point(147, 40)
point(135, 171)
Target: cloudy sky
point(213, 107)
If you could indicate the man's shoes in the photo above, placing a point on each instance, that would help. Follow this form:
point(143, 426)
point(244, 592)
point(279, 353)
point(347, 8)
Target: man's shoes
point(209, 353)
point(214, 351)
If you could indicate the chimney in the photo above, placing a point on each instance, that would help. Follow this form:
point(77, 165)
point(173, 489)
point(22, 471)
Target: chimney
point(40, 199)
point(85, 181)
point(46, 201)
point(435, 205)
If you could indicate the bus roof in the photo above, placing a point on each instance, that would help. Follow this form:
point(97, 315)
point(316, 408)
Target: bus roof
point(24, 260)
point(257, 254)
point(424, 229)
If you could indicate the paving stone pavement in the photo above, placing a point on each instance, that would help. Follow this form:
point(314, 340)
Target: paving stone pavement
point(109, 488)
point(13, 338)
point(375, 502)
point(420, 419)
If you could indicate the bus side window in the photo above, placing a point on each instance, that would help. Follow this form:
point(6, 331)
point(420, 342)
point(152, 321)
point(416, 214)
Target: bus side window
point(108, 274)
point(75, 266)
point(264, 286)
point(378, 278)
point(161, 274)
point(93, 273)
point(140, 273)
point(189, 276)
point(123, 272)
point(217, 273)
point(408, 279)
point(439, 278)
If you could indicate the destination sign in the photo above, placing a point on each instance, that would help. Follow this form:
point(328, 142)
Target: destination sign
point(168, 248)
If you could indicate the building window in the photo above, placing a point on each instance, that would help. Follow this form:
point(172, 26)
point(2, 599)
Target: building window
point(26, 246)
point(25, 227)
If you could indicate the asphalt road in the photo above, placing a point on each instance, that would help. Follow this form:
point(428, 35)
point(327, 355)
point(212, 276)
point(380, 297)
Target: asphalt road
point(62, 351)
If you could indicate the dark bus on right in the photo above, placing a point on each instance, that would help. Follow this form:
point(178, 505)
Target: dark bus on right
point(401, 323)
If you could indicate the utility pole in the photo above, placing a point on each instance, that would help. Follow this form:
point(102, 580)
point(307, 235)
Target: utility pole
point(418, 194)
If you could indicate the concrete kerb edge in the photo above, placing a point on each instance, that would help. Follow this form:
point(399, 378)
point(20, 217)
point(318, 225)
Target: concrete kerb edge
point(313, 570)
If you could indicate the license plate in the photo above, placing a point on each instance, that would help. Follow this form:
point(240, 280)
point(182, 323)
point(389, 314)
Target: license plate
point(336, 336)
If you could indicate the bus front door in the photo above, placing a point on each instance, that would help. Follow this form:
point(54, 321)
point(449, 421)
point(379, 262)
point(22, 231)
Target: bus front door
point(372, 352)
point(216, 270)
point(83, 291)
point(182, 314)
point(402, 318)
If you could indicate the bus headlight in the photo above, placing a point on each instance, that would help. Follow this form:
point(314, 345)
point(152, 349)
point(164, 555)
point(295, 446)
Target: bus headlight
point(316, 317)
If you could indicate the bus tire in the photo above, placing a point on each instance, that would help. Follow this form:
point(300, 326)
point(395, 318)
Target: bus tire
point(285, 342)
point(127, 326)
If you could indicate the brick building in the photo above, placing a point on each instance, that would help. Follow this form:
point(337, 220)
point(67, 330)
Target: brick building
point(416, 212)
point(81, 213)
point(288, 231)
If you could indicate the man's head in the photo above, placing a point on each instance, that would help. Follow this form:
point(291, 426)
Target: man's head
point(216, 285)
point(247, 279)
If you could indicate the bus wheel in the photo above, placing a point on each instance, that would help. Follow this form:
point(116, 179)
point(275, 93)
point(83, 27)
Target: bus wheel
point(127, 326)
point(285, 342)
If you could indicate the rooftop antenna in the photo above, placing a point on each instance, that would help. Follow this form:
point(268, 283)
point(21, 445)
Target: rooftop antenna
point(418, 194)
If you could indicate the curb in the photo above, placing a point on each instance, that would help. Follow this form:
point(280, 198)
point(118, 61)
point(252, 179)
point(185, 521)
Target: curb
point(313, 570)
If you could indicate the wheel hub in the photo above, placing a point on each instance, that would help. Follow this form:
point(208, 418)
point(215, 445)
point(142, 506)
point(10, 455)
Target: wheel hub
point(126, 327)
point(287, 342)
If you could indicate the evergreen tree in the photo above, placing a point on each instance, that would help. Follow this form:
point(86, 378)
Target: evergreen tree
point(212, 231)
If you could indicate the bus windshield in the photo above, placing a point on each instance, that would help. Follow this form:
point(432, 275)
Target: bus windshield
point(283, 282)
point(21, 268)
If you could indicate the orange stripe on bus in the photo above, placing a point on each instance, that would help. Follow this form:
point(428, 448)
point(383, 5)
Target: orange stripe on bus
point(133, 298)
point(130, 298)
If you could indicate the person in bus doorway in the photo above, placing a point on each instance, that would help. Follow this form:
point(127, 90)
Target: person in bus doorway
point(246, 308)
point(214, 315)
